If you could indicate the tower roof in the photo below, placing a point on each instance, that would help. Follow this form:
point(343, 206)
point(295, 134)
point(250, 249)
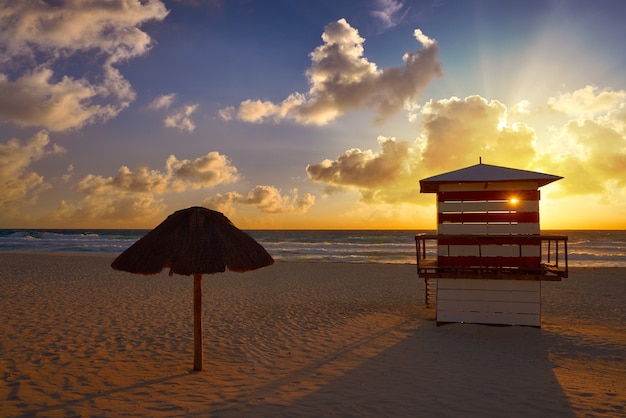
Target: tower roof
point(481, 173)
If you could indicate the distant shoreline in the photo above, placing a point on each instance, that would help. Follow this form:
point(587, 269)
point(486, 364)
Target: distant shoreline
point(113, 256)
point(585, 248)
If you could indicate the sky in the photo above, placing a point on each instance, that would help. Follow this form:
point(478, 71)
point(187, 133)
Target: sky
point(305, 114)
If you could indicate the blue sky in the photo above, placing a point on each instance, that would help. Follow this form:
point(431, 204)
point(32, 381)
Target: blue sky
point(289, 114)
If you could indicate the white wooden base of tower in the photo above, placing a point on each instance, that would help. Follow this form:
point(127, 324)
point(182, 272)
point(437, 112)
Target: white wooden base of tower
point(480, 301)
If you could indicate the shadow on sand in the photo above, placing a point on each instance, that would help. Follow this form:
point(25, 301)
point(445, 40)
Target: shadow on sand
point(65, 408)
point(449, 371)
point(411, 369)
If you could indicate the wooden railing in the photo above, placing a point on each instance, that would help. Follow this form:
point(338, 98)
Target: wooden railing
point(531, 257)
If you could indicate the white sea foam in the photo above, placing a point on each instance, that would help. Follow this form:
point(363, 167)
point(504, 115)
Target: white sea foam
point(585, 248)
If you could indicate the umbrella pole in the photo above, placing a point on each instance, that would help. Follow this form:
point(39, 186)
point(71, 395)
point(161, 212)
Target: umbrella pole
point(197, 322)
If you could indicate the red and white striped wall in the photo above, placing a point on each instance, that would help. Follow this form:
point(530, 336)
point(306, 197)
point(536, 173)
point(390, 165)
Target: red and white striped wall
point(504, 213)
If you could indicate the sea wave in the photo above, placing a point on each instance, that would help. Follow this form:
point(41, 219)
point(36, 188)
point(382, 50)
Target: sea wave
point(585, 248)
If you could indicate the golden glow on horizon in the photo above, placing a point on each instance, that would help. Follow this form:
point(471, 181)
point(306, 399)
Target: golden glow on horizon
point(566, 213)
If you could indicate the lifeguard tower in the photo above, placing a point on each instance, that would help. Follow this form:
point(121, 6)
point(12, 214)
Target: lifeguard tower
point(487, 261)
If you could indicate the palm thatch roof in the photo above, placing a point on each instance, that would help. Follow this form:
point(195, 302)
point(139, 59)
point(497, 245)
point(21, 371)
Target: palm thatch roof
point(190, 241)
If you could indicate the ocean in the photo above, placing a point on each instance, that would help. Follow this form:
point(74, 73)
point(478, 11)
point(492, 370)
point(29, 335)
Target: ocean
point(585, 248)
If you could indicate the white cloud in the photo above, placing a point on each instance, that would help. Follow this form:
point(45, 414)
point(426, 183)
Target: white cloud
point(69, 174)
point(388, 176)
point(423, 39)
point(125, 209)
point(341, 79)
point(33, 99)
point(78, 25)
point(267, 199)
point(588, 151)
point(206, 171)
point(587, 100)
point(20, 187)
point(521, 108)
point(178, 176)
point(125, 181)
point(258, 110)
point(137, 195)
point(227, 113)
point(364, 168)
point(600, 161)
point(458, 132)
point(181, 118)
point(455, 133)
point(389, 13)
point(36, 35)
point(163, 102)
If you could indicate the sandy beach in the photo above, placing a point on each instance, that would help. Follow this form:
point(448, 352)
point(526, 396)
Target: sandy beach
point(297, 340)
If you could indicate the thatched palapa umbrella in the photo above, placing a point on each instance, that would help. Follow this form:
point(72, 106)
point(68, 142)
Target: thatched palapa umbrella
point(194, 241)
